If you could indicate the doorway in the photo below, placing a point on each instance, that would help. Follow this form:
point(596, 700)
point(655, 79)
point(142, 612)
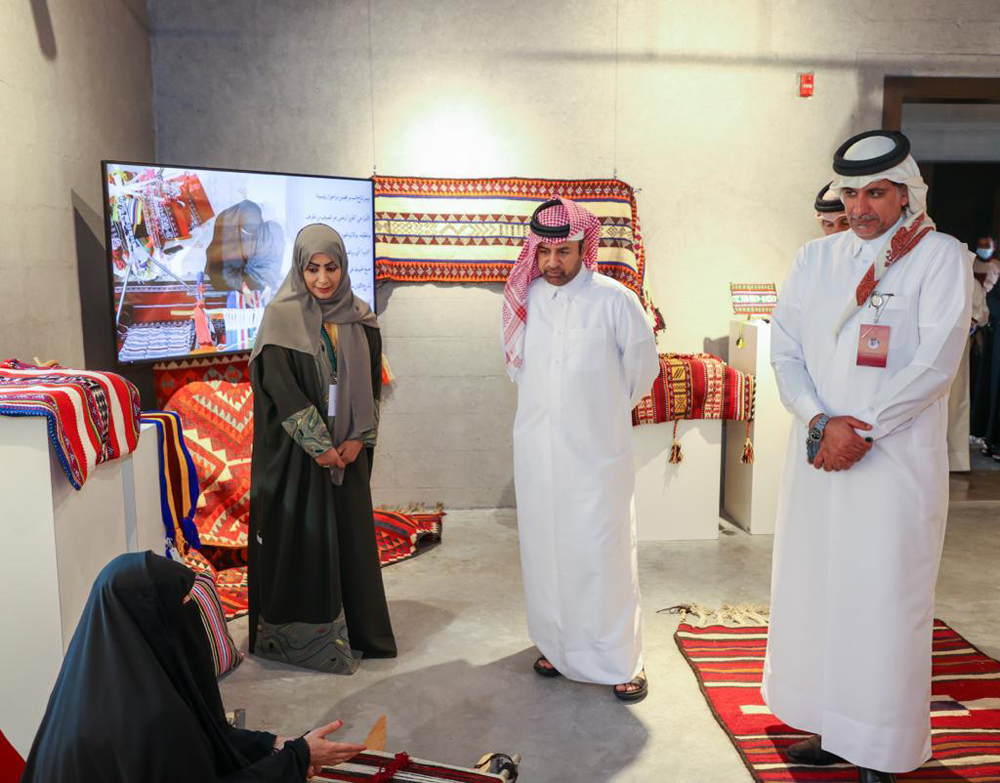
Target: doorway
point(953, 125)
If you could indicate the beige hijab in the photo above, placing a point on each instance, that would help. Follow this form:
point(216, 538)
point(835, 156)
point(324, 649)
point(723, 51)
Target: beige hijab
point(295, 317)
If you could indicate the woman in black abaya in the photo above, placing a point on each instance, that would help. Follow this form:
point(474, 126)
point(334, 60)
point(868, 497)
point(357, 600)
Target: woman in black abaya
point(136, 700)
point(316, 594)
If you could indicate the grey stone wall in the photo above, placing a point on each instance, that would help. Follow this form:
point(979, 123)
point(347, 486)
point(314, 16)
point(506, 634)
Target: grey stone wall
point(75, 88)
point(695, 104)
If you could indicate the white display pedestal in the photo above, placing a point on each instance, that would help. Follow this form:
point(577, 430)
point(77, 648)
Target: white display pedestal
point(750, 494)
point(677, 502)
point(56, 541)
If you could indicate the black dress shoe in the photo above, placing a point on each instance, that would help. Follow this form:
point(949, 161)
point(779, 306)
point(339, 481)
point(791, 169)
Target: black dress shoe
point(810, 752)
point(866, 775)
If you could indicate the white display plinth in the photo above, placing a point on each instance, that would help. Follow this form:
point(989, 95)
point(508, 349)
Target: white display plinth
point(750, 494)
point(677, 502)
point(56, 541)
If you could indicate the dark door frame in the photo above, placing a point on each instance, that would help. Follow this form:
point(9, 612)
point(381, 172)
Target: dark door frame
point(898, 90)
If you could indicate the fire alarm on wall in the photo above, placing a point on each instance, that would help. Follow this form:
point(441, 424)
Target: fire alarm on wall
point(807, 84)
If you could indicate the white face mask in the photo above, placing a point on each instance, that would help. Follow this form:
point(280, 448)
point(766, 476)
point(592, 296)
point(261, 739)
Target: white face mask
point(985, 253)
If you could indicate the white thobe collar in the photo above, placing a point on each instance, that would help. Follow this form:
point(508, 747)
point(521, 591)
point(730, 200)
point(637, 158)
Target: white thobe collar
point(867, 248)
point(572, 288)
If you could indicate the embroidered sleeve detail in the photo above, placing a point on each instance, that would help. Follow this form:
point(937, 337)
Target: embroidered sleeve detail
point(371, 437)
point(308, 429)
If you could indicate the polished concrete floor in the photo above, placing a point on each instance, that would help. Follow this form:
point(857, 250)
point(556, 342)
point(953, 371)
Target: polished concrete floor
point(462, 684)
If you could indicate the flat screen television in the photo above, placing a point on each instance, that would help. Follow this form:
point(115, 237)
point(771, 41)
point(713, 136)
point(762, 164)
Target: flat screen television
point(195, 254)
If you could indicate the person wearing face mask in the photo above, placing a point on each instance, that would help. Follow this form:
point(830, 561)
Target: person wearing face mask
point(985, 358)
point(959, 400)
point(986, 266)
point(315, 584)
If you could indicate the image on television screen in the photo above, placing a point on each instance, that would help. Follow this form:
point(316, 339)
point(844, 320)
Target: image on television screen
point(196, 254)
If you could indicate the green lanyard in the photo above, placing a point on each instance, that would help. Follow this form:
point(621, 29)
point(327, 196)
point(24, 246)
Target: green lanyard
point(330, 352)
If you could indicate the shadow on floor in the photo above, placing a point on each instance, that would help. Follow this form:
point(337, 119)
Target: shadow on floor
point(500, 706)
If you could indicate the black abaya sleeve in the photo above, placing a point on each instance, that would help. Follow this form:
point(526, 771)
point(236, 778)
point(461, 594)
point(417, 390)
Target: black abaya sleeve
point(375, 347)
point(252, 745)
point(288, 765)
point(277, 379)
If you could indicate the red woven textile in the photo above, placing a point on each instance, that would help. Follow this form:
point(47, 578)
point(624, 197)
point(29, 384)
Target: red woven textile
point(965, 719)
point(472, 230)
point(373, 766)
point(92, 417)
point(218, 428)
point(170, 377)
point(400, 536)
point(696, 386)
point(11, 763)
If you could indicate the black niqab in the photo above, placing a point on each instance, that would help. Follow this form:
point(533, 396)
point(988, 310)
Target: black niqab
point(136, 698)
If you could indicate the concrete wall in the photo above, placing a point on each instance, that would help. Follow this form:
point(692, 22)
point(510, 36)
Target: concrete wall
point(75, 88)
point(698, 109)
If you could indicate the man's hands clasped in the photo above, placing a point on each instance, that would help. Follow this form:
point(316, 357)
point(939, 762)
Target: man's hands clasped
point(841, 447)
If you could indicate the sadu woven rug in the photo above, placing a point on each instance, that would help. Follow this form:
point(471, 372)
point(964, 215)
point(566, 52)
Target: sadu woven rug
point(965, 710)
point(400, 536)
point(471, 230)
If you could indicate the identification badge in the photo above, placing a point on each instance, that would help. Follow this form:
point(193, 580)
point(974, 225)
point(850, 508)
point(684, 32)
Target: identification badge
point(873, 345)
point(332, 407)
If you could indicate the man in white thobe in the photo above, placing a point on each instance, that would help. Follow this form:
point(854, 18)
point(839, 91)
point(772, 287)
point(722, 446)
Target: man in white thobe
point(867, 336)
point(582, 353)
point(830, 211)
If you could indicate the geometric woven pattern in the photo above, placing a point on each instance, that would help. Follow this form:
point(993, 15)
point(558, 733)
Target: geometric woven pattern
point(965, 707)
point(696, 386)
point(218, 427)
point(170, 377)
point(472, 230)
point(401, 535)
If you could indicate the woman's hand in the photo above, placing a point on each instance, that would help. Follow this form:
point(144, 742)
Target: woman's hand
point(349, 450)
point(328, 754)
point(331, 458)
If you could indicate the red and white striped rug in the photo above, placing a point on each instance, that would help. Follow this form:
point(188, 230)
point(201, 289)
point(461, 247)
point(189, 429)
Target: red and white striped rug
point(965, 711)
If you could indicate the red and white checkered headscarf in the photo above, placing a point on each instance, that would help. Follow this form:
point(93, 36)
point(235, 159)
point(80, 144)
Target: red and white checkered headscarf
point(515, 292)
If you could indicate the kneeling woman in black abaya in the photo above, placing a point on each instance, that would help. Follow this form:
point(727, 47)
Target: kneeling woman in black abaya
point(137, 700)
point(315, 584)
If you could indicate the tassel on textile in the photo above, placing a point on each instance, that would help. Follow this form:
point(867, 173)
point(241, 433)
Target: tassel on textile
point(387, 377)
point(387, 772)
point(747, 458)
point(675, 450)
point(732, 615)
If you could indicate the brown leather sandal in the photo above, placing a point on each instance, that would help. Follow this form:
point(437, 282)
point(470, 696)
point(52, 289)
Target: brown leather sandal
point(638, 693)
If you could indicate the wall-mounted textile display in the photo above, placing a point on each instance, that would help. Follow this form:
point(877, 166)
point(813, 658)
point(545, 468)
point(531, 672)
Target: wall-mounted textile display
point(92, 417)
point(471, 230)
point(179, 490)
point(697, 386)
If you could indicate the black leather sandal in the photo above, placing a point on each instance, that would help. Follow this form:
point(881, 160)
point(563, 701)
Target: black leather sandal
point(545, 671)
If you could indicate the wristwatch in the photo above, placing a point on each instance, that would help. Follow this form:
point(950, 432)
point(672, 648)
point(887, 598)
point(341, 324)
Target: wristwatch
point(815, 436)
